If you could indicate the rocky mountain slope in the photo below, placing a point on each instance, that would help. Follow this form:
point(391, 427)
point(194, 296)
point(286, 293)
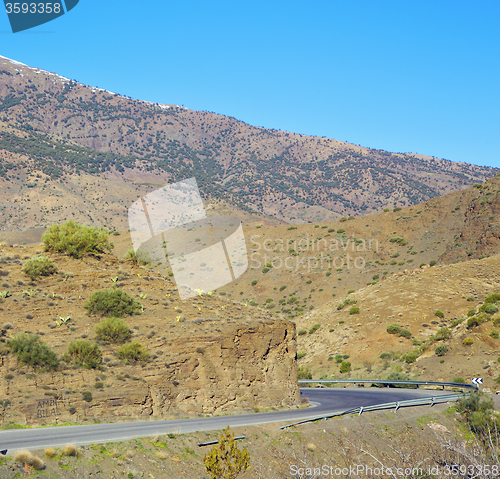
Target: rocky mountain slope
point(99, 149)
point(207, 355)
point(294, 269)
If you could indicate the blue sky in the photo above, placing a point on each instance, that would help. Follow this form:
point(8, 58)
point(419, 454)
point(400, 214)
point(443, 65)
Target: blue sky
point(403, 76)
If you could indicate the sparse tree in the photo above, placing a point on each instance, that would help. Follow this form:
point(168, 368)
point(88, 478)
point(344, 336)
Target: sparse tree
point(225, 460)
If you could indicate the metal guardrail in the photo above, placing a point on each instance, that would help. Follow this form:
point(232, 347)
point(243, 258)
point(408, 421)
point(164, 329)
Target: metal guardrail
point(397, 404)
point(387, 381)
point(209, 443)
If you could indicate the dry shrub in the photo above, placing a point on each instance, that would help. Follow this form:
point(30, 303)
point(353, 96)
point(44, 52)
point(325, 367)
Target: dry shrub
point(38, 463)
point(50, 452)
point(161, 455)
point(71, 450)
point(23, 456)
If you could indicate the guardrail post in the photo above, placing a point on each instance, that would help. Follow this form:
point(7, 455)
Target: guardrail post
point(360, 411)
point(397, 406)
point(432, 403)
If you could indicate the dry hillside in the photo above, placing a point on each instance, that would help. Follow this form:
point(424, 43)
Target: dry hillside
point(60, 138)
point(206, 355)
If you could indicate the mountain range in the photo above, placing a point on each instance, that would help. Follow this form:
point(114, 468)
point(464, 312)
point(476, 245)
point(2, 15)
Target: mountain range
point(100, 150)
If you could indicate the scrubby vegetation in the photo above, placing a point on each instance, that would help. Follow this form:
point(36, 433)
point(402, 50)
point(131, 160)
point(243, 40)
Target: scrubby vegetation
point(314, 328)
point(31, 350)
point(114, 330)
point(133, 352)
point(345, 366)
point(112, 302)
point(303, 373)
point(83, 353)
point(39, 266)
point(76, 240)
point(394, 329)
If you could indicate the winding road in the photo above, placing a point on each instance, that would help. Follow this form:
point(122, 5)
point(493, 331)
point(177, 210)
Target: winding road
point(324, 400)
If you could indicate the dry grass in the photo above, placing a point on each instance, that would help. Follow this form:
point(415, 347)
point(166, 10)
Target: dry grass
point(71, 450)
point(129, 454)
point(161, 455)
point(50, 452)
point(23, 456)
point(38, 463)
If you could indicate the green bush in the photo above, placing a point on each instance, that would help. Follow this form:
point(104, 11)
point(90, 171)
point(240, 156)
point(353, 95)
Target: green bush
point(405, 333)
point(112, 302)
point(386, 356)
point(302, 332)
point(113, 330)
point(345, 366)
point(477, 320)
point(314, 328)
point(479, 413)
point(39, 266)
point(87, 396)
point(354, 310)
point(467, 341)
point(394, 329)
point(488, 308)
point(442, 333)
point(304, 373)
point(439, 313)
point(398, 376)
point(347, 301)
point(133, 352)
point(141, 257)
point(76, 240)
point(432, 262)
point(412, 356)
point(456, 322)
point(441, 350)
point(83, 353)
point(282, 287)
point(459, 380)
point(339, 358)
point(495, 334)
point(31, 350)
point(471, 312)
point(493, 298)
point(254, 282)
point(301, 354)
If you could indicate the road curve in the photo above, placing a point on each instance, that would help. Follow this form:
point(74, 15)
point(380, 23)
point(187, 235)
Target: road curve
point(329, 400)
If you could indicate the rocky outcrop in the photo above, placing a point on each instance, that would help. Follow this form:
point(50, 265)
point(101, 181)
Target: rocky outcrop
point(234, 368)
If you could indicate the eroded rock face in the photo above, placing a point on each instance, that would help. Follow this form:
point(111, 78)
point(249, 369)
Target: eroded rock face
point(234, 370)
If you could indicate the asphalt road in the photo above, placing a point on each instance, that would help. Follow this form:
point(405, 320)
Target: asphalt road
point(326, 400)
